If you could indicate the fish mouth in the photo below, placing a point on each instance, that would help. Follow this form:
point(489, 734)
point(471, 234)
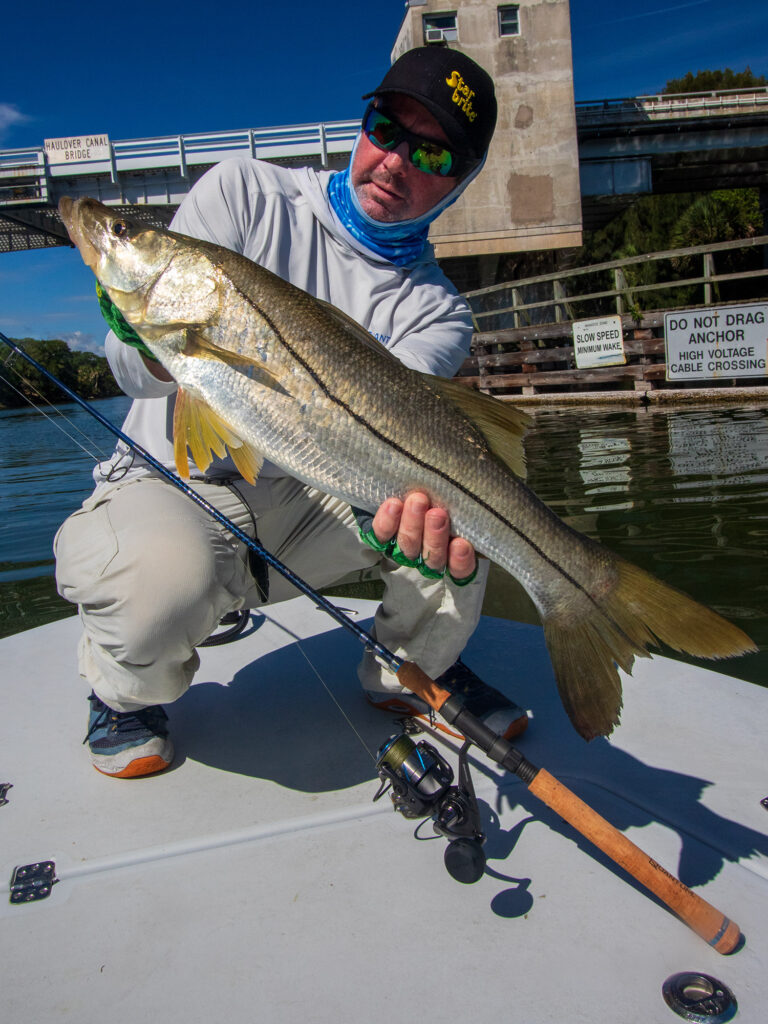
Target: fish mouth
point(71, 213)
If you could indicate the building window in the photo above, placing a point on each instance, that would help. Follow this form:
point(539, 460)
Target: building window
point(440, 28)
point(509, 20)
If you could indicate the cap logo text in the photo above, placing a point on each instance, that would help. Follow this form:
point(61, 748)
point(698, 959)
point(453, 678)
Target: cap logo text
point(462, 94)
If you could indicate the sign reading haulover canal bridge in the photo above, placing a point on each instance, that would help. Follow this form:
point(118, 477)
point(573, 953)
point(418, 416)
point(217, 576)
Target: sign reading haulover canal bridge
point(725, 341)
point(76, 149)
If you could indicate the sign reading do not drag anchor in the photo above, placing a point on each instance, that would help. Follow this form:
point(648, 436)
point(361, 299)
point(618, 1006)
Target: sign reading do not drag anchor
point(725, 341)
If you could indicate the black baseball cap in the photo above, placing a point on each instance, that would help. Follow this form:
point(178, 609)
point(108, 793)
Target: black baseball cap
point(454, 89)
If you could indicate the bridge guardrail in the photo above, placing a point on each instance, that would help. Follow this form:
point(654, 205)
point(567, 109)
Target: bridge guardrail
point(670, 106)
point(25, 173)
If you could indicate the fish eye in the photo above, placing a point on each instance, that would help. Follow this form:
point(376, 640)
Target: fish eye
point(119, 228)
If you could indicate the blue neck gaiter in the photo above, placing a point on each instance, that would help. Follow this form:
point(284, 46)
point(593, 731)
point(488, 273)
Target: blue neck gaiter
point(400, 242)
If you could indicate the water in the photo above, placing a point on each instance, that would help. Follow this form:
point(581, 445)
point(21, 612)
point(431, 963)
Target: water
point(44, 476)
point(683, 493)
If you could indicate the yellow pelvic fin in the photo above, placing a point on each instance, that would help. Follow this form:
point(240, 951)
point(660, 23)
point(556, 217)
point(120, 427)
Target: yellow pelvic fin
point(197, 427)
point(502, 425)
point(637, 613)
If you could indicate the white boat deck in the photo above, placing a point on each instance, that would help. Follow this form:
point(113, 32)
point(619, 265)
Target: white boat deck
point(256, 880)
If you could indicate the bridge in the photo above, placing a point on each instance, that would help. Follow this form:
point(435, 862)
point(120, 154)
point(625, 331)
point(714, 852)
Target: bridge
point(147, 177)
point(689, 142)
point(627, 147)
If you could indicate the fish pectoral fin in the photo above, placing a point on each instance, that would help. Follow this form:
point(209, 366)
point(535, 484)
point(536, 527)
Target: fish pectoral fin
point(200, 347)
point(197, 427)
point(501, 425)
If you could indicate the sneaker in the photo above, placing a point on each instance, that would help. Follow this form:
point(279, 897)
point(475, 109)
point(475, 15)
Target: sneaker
point(127, 744)
point(493, 709)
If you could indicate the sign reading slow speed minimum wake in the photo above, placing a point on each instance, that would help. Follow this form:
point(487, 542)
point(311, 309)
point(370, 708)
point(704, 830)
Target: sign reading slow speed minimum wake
point(598, 342)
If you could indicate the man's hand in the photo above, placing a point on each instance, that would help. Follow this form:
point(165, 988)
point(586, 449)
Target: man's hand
point(426, 531)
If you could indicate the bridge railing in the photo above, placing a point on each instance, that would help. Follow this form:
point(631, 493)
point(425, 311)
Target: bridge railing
point(670, 106)
point(26, 174)
point(268, 143)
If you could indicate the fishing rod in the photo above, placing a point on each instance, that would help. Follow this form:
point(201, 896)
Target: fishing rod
point(416, 791)
point(253, 544)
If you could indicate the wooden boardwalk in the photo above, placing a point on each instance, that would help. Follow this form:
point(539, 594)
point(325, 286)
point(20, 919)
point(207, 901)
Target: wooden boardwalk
point(537, 365)
point(516, 360)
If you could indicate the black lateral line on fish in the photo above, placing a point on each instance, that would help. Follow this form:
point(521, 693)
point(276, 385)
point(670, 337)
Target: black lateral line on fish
point(432, 469)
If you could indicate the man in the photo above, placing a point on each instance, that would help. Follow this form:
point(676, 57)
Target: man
point(151, 572)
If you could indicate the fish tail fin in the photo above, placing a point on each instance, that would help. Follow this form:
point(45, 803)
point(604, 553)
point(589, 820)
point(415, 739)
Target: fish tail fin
point(638, 612)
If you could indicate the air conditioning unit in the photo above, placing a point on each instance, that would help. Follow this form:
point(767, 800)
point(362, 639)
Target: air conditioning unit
point(434, 35)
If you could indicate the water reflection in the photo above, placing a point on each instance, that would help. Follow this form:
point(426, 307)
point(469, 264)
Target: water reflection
point(683, 493)
point(733, 450)
point(605, 463)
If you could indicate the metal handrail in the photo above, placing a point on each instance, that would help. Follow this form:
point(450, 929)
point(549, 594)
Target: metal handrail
point(195, 147)
point(684, 103)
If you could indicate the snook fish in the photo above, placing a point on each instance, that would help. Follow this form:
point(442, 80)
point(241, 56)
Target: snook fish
point(265, 370)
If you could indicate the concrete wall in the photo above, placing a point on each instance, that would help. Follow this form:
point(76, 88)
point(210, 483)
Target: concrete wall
point(527, 196)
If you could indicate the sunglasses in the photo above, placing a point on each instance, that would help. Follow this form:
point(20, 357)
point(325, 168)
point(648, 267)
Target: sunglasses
point(430, 157)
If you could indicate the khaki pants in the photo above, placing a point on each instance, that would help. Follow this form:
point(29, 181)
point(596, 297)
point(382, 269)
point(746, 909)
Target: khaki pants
point(153, 574)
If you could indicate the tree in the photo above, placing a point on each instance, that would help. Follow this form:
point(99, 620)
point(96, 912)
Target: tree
point(678, 221)
point(86, 373)
point(93, 378)
point(714, 81)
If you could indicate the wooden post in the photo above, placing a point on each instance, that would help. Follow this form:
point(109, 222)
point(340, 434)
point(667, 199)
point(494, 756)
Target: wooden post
point(709, 270)
point(516, 303)
point(561, 307)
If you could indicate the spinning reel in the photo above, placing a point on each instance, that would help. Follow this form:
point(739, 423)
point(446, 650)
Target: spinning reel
point(421, 786)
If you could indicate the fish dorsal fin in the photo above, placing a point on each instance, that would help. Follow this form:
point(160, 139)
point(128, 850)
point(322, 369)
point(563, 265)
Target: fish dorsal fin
point(357, 329)
point(197, 427)
point(501, 425)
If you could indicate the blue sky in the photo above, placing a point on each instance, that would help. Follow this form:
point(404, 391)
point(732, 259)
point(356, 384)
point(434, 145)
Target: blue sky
point(166, 68)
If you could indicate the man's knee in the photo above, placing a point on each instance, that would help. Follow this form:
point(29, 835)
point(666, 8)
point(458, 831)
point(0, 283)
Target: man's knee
point(143, 584)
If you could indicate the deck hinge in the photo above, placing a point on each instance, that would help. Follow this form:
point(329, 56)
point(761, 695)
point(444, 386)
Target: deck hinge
point(33, 881)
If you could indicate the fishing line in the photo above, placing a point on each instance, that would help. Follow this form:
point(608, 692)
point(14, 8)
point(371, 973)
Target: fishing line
point(371, 644)
point(253, 544)
point(231, 526)
point(25, 380)
point(258, 571)
point(326, 687)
